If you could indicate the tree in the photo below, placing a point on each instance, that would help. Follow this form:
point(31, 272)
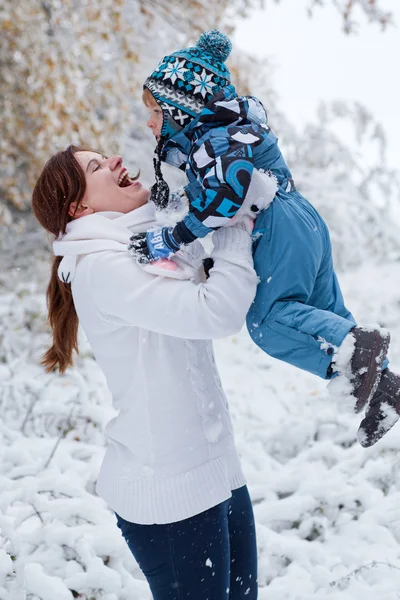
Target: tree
point(60, 82)
point(70, 71)
point(340, 165)
point(348, 9)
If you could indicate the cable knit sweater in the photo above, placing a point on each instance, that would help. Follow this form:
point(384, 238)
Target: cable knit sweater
point(171, 452)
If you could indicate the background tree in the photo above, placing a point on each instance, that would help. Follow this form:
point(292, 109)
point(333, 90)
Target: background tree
point(70, 70)
point(350, 11)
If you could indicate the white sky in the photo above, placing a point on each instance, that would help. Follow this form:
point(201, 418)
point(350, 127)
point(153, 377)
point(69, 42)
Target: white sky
point(314, 60)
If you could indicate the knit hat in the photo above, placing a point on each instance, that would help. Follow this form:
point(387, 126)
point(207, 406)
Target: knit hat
point(186, 80)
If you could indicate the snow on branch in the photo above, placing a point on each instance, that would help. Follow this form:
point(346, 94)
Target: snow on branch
point(72, 71)
point(339, 164)
point(348, 9)
point(57, 539)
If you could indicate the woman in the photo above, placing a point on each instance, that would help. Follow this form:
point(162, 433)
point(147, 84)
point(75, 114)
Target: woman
point(171, 471)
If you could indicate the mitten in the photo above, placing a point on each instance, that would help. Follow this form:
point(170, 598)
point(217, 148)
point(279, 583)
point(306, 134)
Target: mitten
point(155, 244)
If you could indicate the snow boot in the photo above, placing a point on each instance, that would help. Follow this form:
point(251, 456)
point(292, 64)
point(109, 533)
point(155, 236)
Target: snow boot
point(359, 361)
point(370, 351)
point(383, 411)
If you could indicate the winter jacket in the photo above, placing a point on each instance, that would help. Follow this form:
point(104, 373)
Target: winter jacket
point(298, 314)
point(219, 150)
point(171, 451)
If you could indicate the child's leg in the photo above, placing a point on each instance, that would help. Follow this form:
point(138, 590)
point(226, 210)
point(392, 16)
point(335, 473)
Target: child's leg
point(298, 314)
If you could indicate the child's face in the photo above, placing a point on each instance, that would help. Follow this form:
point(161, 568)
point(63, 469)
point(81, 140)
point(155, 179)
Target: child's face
point(155, 120)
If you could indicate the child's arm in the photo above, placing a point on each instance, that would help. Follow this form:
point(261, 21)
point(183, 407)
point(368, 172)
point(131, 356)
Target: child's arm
point(223, 166)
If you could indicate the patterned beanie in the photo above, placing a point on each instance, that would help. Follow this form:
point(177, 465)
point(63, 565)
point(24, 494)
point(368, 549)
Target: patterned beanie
point(186, 80)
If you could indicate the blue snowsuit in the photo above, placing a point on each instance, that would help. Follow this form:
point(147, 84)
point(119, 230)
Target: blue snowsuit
point(298, 314)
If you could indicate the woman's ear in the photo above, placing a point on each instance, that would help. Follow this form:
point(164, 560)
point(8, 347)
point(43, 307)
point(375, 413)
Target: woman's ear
point(79, 209)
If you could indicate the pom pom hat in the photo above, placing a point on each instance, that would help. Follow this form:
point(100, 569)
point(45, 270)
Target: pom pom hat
point(186, 80)
point(215, 43)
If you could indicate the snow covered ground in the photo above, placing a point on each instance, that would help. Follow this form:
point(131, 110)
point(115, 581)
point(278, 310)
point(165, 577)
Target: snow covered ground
point(328, 511)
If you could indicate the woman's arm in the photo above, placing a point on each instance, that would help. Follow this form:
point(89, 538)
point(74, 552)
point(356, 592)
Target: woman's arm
point(126, 294)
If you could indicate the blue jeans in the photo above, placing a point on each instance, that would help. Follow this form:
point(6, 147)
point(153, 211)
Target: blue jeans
point(211, 556)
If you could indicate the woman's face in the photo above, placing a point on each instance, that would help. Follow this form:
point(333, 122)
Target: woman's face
point(108, 186)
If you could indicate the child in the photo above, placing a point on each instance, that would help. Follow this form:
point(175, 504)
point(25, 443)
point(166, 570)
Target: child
point(298, 314)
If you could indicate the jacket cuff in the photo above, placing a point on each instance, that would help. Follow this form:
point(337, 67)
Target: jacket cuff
point(183, 235)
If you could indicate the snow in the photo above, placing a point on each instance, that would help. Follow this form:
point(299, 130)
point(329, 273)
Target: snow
point(44, 586)
point(327, 510)
point(341, 387)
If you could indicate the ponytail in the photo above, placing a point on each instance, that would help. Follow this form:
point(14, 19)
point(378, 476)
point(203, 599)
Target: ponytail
point(63, 321)
point(61, 182)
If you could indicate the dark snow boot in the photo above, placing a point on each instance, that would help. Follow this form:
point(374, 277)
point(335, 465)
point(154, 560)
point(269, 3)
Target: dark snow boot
point(358, 362)
point(383, 411)
point(370, 350)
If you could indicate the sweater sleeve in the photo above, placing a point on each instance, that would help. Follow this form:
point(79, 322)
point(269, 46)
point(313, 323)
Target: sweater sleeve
point(127, 295)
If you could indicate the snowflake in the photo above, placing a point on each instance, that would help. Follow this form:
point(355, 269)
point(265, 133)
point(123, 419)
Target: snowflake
point(203, 83)
point(175, 71)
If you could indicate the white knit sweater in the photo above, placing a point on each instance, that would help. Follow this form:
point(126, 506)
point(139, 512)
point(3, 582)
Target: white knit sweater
point(171, 452)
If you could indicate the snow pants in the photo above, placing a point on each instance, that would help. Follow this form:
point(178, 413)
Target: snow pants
point(298, 314)
point(212, 555)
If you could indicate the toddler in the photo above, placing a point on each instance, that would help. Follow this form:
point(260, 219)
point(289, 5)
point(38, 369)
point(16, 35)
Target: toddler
point(223, 142)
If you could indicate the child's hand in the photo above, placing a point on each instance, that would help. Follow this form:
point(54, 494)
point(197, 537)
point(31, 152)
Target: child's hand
point(156, 244)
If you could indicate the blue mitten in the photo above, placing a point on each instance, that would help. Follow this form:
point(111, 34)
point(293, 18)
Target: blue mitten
point(155, 244)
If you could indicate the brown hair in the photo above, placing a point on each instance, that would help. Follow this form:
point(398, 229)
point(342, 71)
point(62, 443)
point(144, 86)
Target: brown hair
point(148, 98)
point(61, 182)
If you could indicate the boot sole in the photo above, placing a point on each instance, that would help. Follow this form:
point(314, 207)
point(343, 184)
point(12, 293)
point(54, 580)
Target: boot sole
point(374, 426)
point(367, 441)
point(373, 377)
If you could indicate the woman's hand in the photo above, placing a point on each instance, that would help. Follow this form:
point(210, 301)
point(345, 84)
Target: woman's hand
point(244, 221)
point(156, 244)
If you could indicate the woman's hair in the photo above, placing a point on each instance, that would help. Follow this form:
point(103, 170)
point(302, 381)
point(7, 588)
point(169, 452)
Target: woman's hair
point(61, 182)
point(148, 98)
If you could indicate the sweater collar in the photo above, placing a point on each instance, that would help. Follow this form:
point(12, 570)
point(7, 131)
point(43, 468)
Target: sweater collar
point(98, 232)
